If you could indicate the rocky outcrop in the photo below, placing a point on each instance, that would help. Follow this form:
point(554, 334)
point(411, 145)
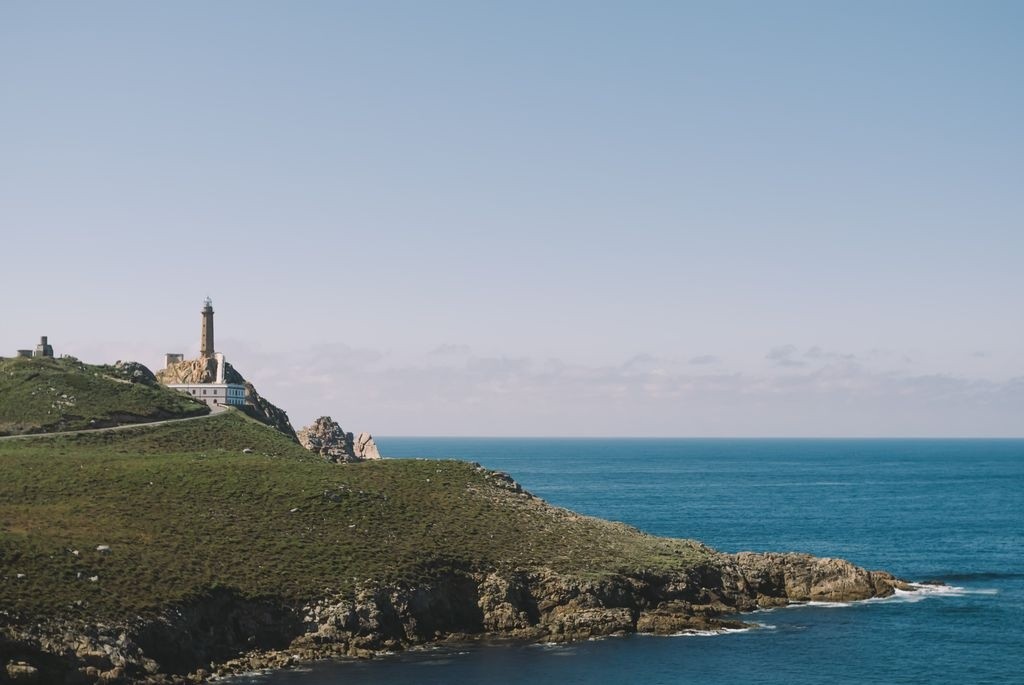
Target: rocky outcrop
point(365, 448)
point(133, 372)
point(803, 578)
point(239, 635)
point(204, 370)
point(328, 439)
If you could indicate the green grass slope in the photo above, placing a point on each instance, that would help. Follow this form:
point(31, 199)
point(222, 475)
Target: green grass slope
point(44, 395)
point(184, 510)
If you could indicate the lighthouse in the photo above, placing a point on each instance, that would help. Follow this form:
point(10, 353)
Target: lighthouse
point(205, 379)
point(206, 349)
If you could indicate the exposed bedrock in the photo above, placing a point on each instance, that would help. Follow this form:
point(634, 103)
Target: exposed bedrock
point(326, 437)
point(223, 633)
point(543, 605)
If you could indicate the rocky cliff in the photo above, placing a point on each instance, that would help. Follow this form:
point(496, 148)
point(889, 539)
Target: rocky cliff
point(204, 370)
point(328, 439)
point(222, 633)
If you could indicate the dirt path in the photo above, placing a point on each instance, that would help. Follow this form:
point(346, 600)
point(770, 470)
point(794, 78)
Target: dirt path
point(214, 411)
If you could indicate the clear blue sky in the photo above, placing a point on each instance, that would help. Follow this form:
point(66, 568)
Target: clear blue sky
point(570, 218)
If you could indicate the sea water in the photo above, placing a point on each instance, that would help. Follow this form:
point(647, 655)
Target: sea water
point(945, 510)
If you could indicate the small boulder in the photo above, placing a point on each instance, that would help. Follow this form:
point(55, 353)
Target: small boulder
point(21, 672)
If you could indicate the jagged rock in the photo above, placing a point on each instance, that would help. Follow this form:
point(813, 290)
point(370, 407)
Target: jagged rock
point(803, 578)
point(365, 448)
point(202, 370)
point(506, 604)
point(134, 372)
point(328, 439)
point(670, 620)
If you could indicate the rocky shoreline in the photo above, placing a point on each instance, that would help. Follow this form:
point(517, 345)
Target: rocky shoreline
point(222, 634)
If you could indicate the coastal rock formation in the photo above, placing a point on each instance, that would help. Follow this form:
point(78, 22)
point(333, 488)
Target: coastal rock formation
point(328, 439)
point(365, 448)
point(223, 633)
point(204, 370)
point(549, 607)
point(803, 578)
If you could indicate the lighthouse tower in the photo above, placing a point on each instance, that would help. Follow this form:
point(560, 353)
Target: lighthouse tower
point(206, 348)
point(198, 379)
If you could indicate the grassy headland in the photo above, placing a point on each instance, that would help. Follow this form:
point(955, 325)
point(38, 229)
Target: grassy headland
point(43, 395)
point(185, 510)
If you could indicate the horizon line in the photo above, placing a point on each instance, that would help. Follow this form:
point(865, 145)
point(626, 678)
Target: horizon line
point(697, 437)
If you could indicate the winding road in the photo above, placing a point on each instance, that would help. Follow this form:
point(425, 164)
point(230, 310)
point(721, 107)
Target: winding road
point(215, 410)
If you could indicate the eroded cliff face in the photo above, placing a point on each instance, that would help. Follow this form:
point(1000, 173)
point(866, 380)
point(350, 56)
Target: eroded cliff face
point(204, 370)
point(546, 606)
point(223, 634)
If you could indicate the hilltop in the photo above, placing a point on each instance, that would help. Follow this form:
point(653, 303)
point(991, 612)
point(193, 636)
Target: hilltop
point(45, 395)
point(158, 552)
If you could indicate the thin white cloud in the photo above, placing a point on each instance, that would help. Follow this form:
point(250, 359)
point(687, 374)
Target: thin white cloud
point(457, 392)
point(828, 394)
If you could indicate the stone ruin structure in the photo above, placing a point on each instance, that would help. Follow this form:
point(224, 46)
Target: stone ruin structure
point(43, 349)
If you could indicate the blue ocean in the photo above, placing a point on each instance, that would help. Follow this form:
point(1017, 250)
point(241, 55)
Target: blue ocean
point(946, 510)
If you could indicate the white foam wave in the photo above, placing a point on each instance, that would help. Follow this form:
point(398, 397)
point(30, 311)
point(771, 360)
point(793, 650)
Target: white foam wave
point(824, 605)
point(709, 633)
point(566, 646)
point(919, 591)
point(613, 636)
point(722, 631)
point(925, 590)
